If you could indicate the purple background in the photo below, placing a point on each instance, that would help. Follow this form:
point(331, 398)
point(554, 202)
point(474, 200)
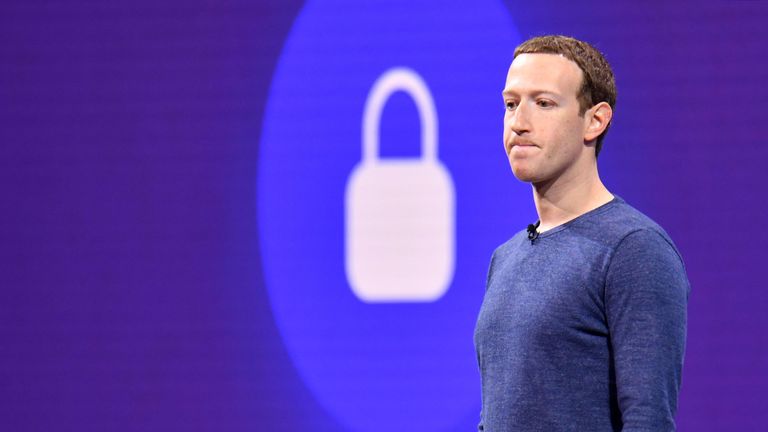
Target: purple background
point(132, 297)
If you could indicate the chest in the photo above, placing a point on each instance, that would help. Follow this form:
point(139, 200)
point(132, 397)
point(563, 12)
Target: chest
point(547, 289)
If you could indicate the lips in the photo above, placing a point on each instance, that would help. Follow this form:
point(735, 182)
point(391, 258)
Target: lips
point(521, 145)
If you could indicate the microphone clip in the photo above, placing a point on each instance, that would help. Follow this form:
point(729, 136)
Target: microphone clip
point(533, 234)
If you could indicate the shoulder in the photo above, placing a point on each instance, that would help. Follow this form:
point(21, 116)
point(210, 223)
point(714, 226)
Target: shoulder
point(511, 246)
point(643, 254)
point(646, 249)
point(510, 250)
point(619, 226)
point(644, 270)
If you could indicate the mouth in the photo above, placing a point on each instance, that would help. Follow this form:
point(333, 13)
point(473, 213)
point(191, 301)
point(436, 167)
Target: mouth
point(521, 144)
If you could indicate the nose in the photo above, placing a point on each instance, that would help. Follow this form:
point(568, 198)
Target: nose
point(519, 122)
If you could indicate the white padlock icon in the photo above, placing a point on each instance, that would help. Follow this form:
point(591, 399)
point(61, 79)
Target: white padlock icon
point(400, 212)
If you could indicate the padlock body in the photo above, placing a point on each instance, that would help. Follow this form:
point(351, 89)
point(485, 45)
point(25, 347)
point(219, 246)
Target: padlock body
point(400, 230)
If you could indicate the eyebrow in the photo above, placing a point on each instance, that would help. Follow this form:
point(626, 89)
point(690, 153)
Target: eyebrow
point(534, 93)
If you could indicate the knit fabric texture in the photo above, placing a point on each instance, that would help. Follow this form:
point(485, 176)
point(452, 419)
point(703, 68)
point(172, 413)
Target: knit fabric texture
point(584, 328)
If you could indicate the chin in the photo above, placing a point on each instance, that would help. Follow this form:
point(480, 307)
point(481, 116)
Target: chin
point(525, 178)
point(523, 174)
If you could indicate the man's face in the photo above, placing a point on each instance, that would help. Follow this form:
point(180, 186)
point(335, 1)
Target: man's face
point(543, 131)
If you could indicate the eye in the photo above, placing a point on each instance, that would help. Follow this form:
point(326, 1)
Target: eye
point(510, 105)
point(545, 103)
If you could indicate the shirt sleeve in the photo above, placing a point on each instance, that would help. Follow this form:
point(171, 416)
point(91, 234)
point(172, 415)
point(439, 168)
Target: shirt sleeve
point(646, 296)
point(481, 425)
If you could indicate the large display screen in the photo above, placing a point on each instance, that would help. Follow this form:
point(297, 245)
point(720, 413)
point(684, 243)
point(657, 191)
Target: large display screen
point(279, 215)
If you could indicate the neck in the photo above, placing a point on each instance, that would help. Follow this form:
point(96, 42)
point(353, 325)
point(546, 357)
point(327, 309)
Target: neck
point(569, 196)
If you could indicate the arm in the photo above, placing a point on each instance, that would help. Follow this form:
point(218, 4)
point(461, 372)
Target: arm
point(481, 425)
point(646, 295)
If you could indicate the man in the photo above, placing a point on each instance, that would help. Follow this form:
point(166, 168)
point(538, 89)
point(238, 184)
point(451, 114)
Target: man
point(583, 323)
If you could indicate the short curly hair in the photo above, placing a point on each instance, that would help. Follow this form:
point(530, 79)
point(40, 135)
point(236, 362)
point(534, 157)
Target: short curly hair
point(599, 84)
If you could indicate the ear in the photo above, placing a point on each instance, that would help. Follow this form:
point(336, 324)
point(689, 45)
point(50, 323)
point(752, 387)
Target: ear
point(598, 118)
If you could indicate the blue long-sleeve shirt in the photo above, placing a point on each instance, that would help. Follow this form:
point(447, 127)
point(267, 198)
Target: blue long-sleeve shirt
point(584, 329)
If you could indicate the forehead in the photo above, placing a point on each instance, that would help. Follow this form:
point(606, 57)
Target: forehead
point(543, 72)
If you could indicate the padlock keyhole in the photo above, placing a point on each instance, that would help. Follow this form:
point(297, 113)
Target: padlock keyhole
point(400, 128)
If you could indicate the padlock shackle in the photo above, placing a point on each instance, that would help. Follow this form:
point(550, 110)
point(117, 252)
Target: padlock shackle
point(407, 80)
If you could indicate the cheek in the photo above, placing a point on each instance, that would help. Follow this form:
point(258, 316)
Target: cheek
point(570, 134)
